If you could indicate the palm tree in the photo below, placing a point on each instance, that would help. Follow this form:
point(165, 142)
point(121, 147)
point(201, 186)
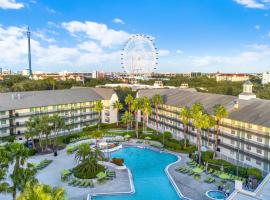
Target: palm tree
point(135, 107)
point(97, 134)
point(146, 110)
point(19, 154)
point(199, 121)
point(32, 129)
point(210, 123)
point(128, 101)
point(220, 112)
point(117, 106)
point(126, 118)
point(98, 108)
point(45, 128)
point(157, 100)
point(42, 192)
point(58, 123)
point(185, 115)
point(84, 152)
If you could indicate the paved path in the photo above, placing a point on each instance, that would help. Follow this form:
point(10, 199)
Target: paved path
point(191, 188)
point(51, 176)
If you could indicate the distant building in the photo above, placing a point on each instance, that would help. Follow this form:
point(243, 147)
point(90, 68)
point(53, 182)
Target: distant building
point(266, 78)
point(98, 74)
point(58, 77)
point(232, 77)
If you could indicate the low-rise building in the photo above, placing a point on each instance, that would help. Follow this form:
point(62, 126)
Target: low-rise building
point(75, 105)
point(232, 77)
point(266, 78)
point(245, 133)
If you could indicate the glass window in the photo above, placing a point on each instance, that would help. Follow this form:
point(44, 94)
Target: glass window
point(259, 139)
point(248, 147)
point(258, 162)
point(249, 136)
point(259, 151)
point(2, 113)
point(3, 122)
point(248, 158)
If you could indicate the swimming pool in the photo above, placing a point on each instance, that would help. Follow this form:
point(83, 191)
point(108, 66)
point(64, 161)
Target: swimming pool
point(147, 167)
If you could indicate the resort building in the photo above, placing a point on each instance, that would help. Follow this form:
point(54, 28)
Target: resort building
point(75, 105)
point(245, 133)
point(232, 77)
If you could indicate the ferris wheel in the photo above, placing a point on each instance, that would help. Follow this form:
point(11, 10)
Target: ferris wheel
point(139, 57)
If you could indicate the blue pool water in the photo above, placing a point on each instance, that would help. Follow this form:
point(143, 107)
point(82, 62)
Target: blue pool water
point(149, 177)
point(216, 195)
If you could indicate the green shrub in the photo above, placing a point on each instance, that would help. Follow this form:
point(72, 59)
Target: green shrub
point(88, 169)
point(167, 135)
point(255, 172)
point(118, 161)
point(32, 152)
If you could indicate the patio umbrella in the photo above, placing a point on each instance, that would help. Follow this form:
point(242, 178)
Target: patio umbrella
point(147, 138)
point(127, 136)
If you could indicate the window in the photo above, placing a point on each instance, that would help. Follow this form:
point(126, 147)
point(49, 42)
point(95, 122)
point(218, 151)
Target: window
point(248, 158)
point(248, 147)
point(2, 113)
point(232, 142)
point(3, 122)
point(249, 125)
point(258, 162)
point(259, 151)
point(259, 139)
point(231, 152)
point(233, 132)
point(249, 136)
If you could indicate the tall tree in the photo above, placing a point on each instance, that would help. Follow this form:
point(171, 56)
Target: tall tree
point(126, 118)
point(135, 107)
point(45, 128)
point(185, 116)
point(146, 109)
point(32, 128)
point(220, 112)
point(58, 123)
point(209, 124)
point(128, 102)
point(199, 121)
point(117, 106)
point(98, 108)
point(19, 174)
point(157, 100)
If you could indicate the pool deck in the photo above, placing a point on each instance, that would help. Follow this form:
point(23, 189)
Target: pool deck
point(189, 187)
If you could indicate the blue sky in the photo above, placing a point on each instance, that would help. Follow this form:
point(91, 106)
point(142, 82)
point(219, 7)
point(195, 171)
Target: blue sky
point(191, 35)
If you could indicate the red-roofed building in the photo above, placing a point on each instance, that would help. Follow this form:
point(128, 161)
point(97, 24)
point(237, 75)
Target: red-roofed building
point(232, 77)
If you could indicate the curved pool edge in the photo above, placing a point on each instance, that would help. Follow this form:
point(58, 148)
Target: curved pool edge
point(178, 191)
point(206, 193)
point(132, 191)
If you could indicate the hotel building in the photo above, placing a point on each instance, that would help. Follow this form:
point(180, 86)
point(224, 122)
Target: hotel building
point(75, 105)
point(245, 133)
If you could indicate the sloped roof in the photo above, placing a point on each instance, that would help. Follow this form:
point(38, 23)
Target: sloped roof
point(19, 100)
point(255, 111)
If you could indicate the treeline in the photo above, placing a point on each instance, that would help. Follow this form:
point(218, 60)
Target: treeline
point(16, 83)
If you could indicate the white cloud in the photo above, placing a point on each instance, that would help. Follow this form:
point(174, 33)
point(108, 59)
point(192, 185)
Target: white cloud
point(10, 4)
point(118, 21)
point(50, 10)
point(256, 4)
point(252, 57)
point(48, 56)
point(96, 31)
point(179, 51)
point(257, 27)
point(163, 52)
